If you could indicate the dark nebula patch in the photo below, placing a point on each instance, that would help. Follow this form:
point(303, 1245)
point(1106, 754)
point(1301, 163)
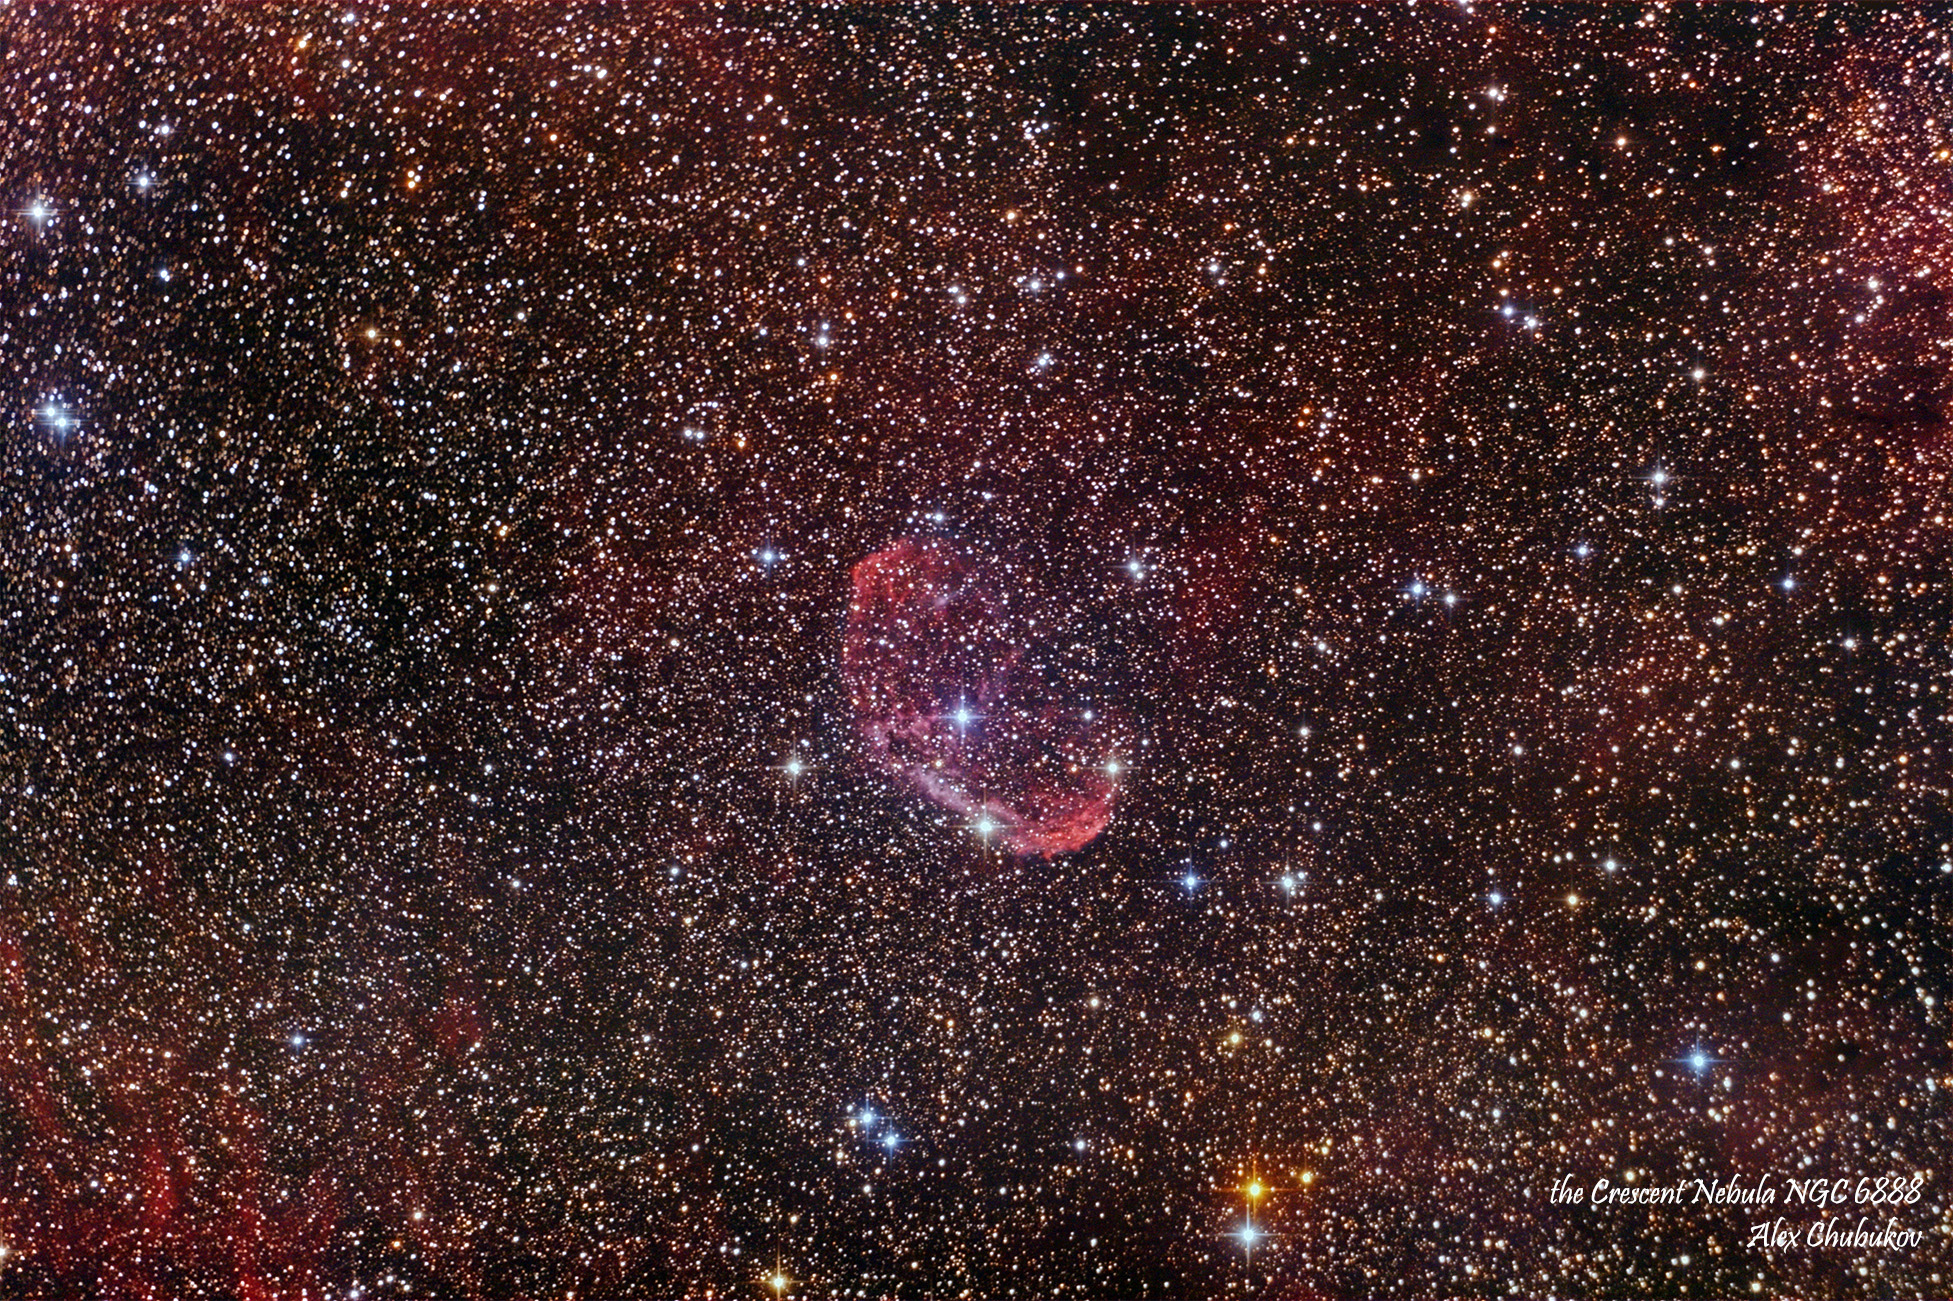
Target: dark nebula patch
point(950, 667)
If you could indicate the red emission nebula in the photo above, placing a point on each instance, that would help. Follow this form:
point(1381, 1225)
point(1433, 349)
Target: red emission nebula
point(944, 669)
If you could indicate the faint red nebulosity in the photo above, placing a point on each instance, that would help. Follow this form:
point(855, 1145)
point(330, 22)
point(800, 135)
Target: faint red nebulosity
point(135, 1169)
point(149, 1148)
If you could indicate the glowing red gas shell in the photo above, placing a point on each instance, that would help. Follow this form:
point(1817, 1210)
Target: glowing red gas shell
point(941, 666)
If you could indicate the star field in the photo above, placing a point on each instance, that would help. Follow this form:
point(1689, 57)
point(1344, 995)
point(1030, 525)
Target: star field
point(911, 651)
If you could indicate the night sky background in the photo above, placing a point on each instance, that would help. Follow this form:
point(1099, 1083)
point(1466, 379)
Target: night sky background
point(954, 651)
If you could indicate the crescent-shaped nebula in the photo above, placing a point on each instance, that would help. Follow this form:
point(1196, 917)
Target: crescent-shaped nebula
point(953, 699)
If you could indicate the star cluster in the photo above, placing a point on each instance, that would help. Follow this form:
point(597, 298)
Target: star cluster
point(1469, 484)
